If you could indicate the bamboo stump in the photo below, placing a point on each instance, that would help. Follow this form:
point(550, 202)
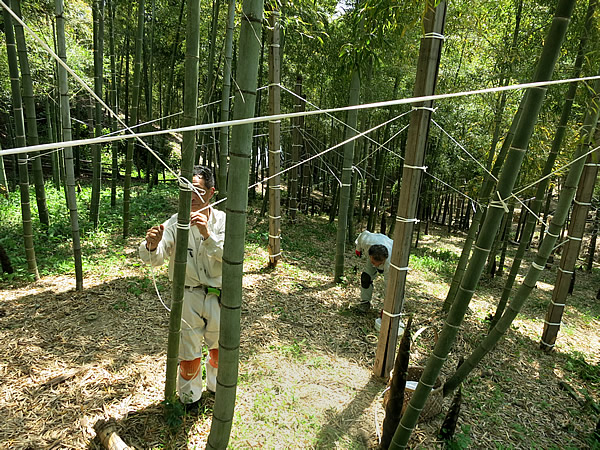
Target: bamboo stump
point(109, 437)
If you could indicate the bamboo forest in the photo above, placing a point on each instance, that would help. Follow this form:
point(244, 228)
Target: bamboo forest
point(299, 224)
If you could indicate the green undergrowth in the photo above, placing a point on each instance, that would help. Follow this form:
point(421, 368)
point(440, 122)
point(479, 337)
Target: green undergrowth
point(103, 249)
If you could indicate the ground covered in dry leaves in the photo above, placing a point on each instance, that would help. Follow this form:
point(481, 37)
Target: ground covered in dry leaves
point(71, 359)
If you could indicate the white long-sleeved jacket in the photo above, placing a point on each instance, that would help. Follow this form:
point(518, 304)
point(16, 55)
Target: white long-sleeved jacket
point(205, 256)
point(366, 239)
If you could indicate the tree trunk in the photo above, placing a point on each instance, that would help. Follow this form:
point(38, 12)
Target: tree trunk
point(593, 239)
point(296, 146)
point(30, 116)
point(233, 251)
point(98, 14)
point(11, 50)
point(65, 111)
point(581, 206)
point(537, 266)
point(135, 98)
point(346, 177)
point(113, 102)
point(548, 166)
point(224, 131)
point(412, 173)
point(274, 141)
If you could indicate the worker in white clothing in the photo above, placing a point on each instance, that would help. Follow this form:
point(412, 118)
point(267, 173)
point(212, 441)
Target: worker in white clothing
point(201, 299)
point(378, 249)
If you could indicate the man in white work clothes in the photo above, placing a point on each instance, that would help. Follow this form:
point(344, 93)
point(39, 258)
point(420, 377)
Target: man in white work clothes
point(201, 299)
point(378, 249)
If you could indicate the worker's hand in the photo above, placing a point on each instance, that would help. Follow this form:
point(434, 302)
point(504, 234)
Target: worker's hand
point(154, 236)
point(200, 220)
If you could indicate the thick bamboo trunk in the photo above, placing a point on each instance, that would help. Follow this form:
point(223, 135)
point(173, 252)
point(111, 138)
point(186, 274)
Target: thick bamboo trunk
point(559, 218)
point(30, 117)
point(568, 260)
point(412, 173)
point(65, 111)
point(98, 14)
point(188, 150)
point(542, 187)
point(346, 178)
point(17, 104)
point(135, 98)
point(233, 251)
point(274, 141)
point(224, 131)
point(296, 146)
point(113, 102)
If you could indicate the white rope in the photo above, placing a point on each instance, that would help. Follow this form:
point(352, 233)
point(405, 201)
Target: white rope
point(404, 220)
point(423, 168)
point(464, 150)
point(399, 269)
point(250, 120)
point(434, 35)
point(582, 203)
point(537, 266)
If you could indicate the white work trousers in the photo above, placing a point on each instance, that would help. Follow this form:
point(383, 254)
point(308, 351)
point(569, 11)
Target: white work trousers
point(200, 319)
point(367, 293)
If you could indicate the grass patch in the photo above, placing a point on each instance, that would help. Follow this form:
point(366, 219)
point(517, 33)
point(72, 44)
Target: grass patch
point(102, 248)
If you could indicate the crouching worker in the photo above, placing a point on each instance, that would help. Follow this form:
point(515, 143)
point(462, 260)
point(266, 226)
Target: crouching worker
point(378, 249)
point(201, 303)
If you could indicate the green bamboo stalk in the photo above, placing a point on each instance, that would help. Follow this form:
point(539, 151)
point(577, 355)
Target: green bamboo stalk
point(65, 110)
point(296, 145)
point(486, 190)
point(190, 105)
point(425, 83)
point(233, 251)
point(340, 246)
point(135, 99)
point(30, 117)
point(114, 102)
point(593, 239)
point(55, 155)
point(206, 113)
point(536, 205)
point(98, 31)
point(3, 180)
point(274, 140)
point(13, 67)
point(225, 103)
point(581, 207)
point(533, 101)
point(559, 218)
point(168, 95)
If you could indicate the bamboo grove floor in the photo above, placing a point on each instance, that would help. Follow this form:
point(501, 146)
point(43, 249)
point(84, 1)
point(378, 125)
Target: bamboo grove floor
point(72, 358)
